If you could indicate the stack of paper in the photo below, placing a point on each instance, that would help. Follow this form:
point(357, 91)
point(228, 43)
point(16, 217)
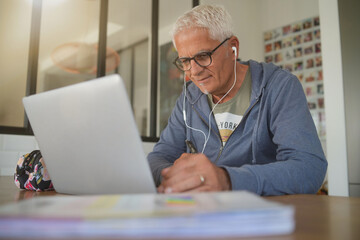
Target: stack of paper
point(147, 216)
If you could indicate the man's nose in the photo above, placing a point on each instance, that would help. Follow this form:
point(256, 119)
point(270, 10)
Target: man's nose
point(195, 68)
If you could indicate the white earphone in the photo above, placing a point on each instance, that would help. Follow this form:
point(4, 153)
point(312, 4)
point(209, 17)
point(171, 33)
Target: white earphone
point(234, 48)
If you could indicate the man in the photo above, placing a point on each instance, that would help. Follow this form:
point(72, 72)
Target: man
point(249, 121)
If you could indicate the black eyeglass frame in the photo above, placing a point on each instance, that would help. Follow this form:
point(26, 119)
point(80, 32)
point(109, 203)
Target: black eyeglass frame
point(194, 57)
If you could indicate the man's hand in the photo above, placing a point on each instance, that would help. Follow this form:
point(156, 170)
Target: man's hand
point(194, 172)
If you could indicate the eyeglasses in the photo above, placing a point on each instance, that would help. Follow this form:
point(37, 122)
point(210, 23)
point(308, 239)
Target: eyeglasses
point(202, 59)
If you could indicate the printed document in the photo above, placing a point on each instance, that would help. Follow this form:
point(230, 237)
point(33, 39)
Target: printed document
point(225, 214)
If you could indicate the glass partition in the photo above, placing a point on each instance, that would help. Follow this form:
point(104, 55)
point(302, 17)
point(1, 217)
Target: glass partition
point(68, 43)
point(129, 31)
point(15, 21)
point(170, 79)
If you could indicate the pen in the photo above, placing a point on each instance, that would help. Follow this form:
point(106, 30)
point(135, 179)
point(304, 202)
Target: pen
point(191, 146)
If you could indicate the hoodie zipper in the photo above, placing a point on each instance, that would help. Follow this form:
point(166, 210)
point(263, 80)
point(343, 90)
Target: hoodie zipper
point(245, 115)
point(218, 134)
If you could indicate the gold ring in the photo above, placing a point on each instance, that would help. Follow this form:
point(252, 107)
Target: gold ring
point(202, 179)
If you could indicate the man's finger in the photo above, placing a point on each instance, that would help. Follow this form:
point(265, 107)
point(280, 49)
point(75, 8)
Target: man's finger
point(203, 188)
point(160, 189)
point(179, 165)
point(182, 184)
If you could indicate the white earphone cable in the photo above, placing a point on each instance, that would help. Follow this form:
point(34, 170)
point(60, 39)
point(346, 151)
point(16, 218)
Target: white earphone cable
point(184, 112)
point(208, 136)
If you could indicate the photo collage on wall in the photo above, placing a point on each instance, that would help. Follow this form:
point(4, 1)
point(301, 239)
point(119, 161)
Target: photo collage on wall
point(296, 48)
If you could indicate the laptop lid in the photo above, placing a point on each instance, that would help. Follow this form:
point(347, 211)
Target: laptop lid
point(89, 140)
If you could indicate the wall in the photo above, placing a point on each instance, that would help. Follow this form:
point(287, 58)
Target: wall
point(277, 13)
point(350, 38)
point(12, 147)
point(15, 19)
point(334, 97)
point(340, 50)
point(247, 26)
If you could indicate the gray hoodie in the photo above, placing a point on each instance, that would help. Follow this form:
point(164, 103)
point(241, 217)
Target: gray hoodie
point(274, 150)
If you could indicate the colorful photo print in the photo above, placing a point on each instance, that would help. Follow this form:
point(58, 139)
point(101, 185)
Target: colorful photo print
point(310, 77)
point(321, 102)
point(287, 42)
point(317, 34)
point(269, 59)
point(307, 24)
point(288, 67)
point(298, 52)
point(320, 89)
point(318, 61)
point(320, 75)
point(268, 35)
point(268, 47)
point(289, 55)
point(312, 105)
point(296, 27)
point(309, 63)
point(297, 40)
point(317, 47)
point(298, 66)
point(300, 76)
point(277, 45)
point(278, 57)
point(307, 37)
point(310, 91)
point(286, 30)
point(308, 50)
point(316, 21)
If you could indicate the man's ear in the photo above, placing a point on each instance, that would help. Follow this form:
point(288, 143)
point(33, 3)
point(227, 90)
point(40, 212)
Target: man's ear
point(234, 43)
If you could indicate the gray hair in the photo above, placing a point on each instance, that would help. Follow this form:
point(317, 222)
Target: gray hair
point(214, 18)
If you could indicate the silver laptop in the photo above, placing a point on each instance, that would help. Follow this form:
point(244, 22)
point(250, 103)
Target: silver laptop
point(89, 140)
